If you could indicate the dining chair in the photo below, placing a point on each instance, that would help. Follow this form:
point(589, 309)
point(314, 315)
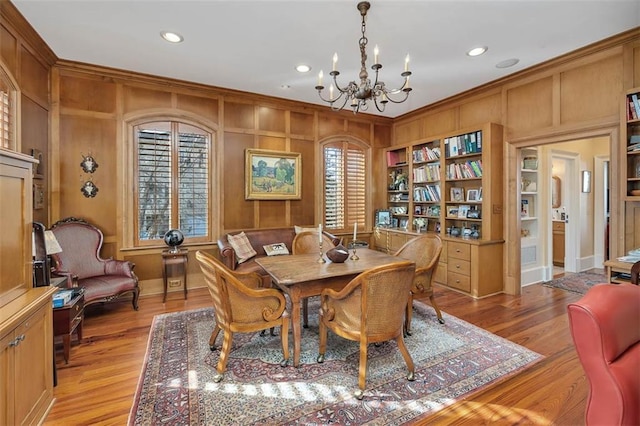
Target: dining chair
point(308, 242)
point(241, 306)
point(425, 251)
point(370, 309)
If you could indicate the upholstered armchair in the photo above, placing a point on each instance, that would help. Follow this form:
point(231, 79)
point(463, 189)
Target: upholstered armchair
point(103, 279)
point(605, 325)
point(241, 306)
point(425, 252)
point(307, 242)
point(370, 309)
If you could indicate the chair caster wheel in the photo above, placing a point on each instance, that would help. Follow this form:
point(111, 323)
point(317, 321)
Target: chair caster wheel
point(409, 333)
point(411, 376)
point(440, 320)
point(359, 394)
point(212, 348)
point(320, 359)
point(218, 378)
point(284, 362)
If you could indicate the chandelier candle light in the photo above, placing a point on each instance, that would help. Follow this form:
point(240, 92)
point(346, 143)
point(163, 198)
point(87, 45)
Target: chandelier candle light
point(358, 94)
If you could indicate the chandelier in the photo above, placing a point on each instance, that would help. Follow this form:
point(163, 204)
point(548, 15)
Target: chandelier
point(356, 94)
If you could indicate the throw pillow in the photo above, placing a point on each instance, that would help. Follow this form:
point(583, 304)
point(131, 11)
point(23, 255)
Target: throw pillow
point(242, 246)
point(300, 229)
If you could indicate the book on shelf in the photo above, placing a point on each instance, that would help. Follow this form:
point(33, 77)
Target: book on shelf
point(393, 158)
point(632, 114)
point(524, 208)
point(636, 104)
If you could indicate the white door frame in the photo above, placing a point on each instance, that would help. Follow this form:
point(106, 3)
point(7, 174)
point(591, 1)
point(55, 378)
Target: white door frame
point(600, 183)
point(570, 195)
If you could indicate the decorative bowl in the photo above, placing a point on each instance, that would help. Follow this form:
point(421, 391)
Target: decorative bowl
point(338, 254)
point(635, 192)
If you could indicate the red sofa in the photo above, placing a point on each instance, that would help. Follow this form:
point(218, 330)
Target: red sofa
point(605, 325)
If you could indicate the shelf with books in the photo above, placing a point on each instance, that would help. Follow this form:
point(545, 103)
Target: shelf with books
point(632, 128)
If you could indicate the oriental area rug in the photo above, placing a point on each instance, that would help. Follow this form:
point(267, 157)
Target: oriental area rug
point(579, 282)
point(176, 386)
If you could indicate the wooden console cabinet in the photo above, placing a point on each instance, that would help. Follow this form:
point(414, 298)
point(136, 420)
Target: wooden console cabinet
point(26, 330)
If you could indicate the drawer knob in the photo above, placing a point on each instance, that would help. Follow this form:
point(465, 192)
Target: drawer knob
point(457, 266)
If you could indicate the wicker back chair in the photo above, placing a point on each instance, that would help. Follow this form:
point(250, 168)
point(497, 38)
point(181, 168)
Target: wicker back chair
point(370, 309)
point(425, 252)
point(307, 242)
point(241, 306)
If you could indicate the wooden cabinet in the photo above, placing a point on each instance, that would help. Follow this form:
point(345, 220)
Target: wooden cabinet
point(558, 243)
point(26, 331)
point(452, 185)
point(632, 128)
point(26, 358)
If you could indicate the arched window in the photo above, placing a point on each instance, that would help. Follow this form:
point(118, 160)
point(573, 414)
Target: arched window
point(345, 171)
point(8, 111)
point(172, 163)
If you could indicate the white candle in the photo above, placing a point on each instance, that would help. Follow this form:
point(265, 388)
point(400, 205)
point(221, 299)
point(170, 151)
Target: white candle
point(320, 234)
point(331, 91)
point(355, 230)
point(375, 54)
point(406, 63)
point(335, 60)
point(320, 75)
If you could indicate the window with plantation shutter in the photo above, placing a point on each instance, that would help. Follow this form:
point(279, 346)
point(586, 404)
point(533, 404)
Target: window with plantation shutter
point(345, 196)
point(173, 169)
point(6, 118)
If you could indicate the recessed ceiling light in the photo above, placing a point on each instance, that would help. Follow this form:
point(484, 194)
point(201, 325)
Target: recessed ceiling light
point(303, 68)
point(171, 37)
point(477, 51)
point(507, 63)
point(285, 87)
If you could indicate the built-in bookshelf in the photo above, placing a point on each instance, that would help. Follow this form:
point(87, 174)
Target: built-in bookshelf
point(529, 202)
point(450, 185)
point(633, 143)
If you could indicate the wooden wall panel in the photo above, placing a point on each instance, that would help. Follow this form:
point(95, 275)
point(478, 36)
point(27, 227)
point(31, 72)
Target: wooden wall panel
point(407, 131)
point(529, 106)
point(137, 98)
point(579, 87)
point(439, 122)
point(273, 143)
point(302, 124)
point(271, 119)
point(272, 213)
point(636, 65)
point(87, 94)
point(482, 110)
point(238, 212)
point(83, 135)
point(204, 107)
point(8, 50)
point(302, 212)
point(329, 125)
point(33, 77)
point(238, 116)
point(359, 129)
point(35, 135)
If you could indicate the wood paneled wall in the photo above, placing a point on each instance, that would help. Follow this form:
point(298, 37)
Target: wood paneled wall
point(572, 97)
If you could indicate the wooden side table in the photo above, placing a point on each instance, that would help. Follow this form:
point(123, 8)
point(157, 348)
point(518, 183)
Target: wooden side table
point(68, 319)
point(172, 264)
point(618, 272)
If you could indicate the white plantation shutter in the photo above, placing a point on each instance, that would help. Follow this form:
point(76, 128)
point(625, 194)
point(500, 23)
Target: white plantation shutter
point(172, 180)
point(344, 185)
point(6, 132)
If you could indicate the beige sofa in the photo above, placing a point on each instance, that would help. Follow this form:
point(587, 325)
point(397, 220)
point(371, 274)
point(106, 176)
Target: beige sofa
point(259, 238)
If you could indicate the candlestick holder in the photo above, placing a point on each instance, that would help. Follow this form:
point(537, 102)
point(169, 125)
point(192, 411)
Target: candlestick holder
point(321, 258)
point(354, 256)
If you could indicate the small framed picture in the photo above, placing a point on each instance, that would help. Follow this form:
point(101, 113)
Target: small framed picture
point(383, 218)
point(452, 211)
point(472, 195)
point(473, 214)
point(436, 227)
point(417, 210)
point(457, 194)
point(463, 210)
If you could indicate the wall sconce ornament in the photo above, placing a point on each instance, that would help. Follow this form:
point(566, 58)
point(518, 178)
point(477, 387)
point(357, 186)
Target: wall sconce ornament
point(586, 181)
point(88, 164)
point(89, 189)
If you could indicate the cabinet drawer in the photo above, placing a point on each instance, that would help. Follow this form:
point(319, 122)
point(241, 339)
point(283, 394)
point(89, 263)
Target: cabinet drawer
point(458, 251)
point(459, 267)
point(459, 281)
point(558, 226)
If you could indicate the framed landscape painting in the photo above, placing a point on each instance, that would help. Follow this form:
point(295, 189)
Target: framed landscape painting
point(272, 175)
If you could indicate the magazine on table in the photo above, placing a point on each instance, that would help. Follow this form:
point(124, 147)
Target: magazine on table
point(276, 249)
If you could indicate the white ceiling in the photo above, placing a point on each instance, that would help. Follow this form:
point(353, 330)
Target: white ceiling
point(253, 46)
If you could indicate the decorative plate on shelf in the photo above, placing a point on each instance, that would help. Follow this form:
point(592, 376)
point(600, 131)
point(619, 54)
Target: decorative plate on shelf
point(635, 192)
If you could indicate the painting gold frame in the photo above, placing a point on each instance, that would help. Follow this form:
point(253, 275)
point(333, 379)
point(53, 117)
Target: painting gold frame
point(272, 175)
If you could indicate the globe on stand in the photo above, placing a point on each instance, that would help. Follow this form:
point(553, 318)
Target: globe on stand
point(173, 238)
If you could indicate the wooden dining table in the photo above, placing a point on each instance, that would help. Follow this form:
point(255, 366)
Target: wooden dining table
point(301, 276)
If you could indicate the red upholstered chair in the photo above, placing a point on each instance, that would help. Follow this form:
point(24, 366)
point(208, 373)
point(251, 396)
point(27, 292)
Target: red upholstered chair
point(103, 279)
point(605, 325)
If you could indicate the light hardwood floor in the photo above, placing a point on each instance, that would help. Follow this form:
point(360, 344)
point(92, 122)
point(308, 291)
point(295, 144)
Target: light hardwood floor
point(98, 384)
